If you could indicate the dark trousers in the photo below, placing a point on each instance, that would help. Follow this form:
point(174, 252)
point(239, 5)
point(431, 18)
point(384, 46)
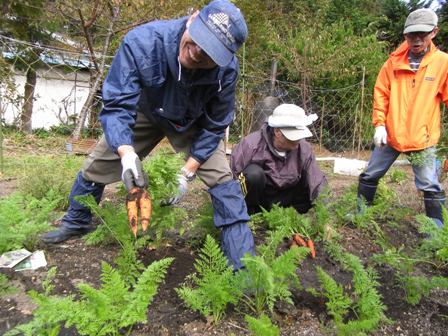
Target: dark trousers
point(261, 194)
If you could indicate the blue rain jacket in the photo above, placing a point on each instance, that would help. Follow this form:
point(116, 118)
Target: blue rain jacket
point(146, 74)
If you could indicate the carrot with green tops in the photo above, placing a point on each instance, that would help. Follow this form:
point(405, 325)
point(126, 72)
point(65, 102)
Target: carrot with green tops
point(310, 244)
point(299, 240)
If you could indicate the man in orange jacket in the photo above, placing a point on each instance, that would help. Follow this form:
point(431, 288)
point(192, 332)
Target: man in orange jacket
point(406, 112)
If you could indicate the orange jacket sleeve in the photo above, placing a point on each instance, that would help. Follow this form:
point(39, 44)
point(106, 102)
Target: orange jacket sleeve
point(381, 95)
point(444, 92)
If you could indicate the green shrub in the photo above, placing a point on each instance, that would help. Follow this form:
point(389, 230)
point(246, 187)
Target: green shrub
point(417, 287)
point(50, 313)
point(162, 169)
point(114, 228)
point(23, 218)
point(432, 251)
point(53, 172)
point(200, 226)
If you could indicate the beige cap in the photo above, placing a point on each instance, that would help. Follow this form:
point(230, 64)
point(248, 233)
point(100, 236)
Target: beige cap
point(420, 20)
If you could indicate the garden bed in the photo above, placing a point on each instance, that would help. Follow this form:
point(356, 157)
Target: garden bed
point(167, 315)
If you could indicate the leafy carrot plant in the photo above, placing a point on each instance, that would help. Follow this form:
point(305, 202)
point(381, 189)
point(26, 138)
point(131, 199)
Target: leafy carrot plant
point(268, 277)
point(436, 241)
point(295, 224)
point(415, 287)
point(338, 303)
point(366, 304)
point(213, 287)
point(105, 311)
point(262, 326)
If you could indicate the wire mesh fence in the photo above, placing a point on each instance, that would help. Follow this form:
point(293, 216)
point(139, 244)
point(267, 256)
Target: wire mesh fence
point(63, 79)
point(344, 113)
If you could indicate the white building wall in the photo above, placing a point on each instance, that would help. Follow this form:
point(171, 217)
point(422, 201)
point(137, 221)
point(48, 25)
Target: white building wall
point(58, 96)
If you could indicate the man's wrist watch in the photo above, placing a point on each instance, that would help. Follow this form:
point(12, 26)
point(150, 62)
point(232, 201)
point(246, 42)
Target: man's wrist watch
point(189, 175)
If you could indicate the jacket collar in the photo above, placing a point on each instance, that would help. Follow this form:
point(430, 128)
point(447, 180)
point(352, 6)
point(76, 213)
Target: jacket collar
point(267, 134)
point(399, 57)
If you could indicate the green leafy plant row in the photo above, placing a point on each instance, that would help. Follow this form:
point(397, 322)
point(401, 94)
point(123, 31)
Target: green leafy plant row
point(365, 301)
point(105, 311)
point(265, 279)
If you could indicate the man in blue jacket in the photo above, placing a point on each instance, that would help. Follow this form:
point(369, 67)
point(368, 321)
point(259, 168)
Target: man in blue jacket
point(177, 79)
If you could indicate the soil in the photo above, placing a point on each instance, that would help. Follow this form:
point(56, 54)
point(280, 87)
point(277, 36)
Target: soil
point(76, 262)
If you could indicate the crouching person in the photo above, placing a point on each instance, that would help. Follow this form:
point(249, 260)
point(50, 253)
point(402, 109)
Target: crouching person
point(277, 165)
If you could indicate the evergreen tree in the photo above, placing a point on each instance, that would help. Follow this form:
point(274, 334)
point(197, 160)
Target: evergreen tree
point(441, 39)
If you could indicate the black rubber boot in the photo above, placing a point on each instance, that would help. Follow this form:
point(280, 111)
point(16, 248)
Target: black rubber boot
point(63, 234)
point(366, 193)
point(434, 202)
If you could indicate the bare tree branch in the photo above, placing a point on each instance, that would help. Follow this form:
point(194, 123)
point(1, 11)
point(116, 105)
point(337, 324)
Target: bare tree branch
point(138, 23)
point(92, 19)
point(115, 10)
point(89, 40)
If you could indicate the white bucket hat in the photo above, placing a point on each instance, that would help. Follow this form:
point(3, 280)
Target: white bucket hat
point(292, 121)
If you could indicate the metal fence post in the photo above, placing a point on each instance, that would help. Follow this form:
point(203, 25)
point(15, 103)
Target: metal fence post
point(242, 113)
point(322, 123)
point(361, 109)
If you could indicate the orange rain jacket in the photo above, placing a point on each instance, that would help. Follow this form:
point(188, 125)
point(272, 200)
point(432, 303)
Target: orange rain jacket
point(407, 102)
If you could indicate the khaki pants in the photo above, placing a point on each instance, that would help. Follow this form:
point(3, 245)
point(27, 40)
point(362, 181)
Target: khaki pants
point(104, 166)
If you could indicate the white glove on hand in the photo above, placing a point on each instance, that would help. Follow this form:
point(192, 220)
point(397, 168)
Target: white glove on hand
point(182, 187)
point(133, 175)
point(380, 137)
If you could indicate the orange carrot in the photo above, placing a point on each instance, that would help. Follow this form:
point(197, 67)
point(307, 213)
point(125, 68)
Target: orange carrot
point(299, 240)
point(145, 209)
point(132, 208)
point(310, 244)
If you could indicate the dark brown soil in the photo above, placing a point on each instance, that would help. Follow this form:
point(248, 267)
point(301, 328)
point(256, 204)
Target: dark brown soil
point(77, 262)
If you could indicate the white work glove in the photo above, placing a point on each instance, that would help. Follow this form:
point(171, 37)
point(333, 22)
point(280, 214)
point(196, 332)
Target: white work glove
point(182, 187)
point(133, 175)
point(380, 137)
